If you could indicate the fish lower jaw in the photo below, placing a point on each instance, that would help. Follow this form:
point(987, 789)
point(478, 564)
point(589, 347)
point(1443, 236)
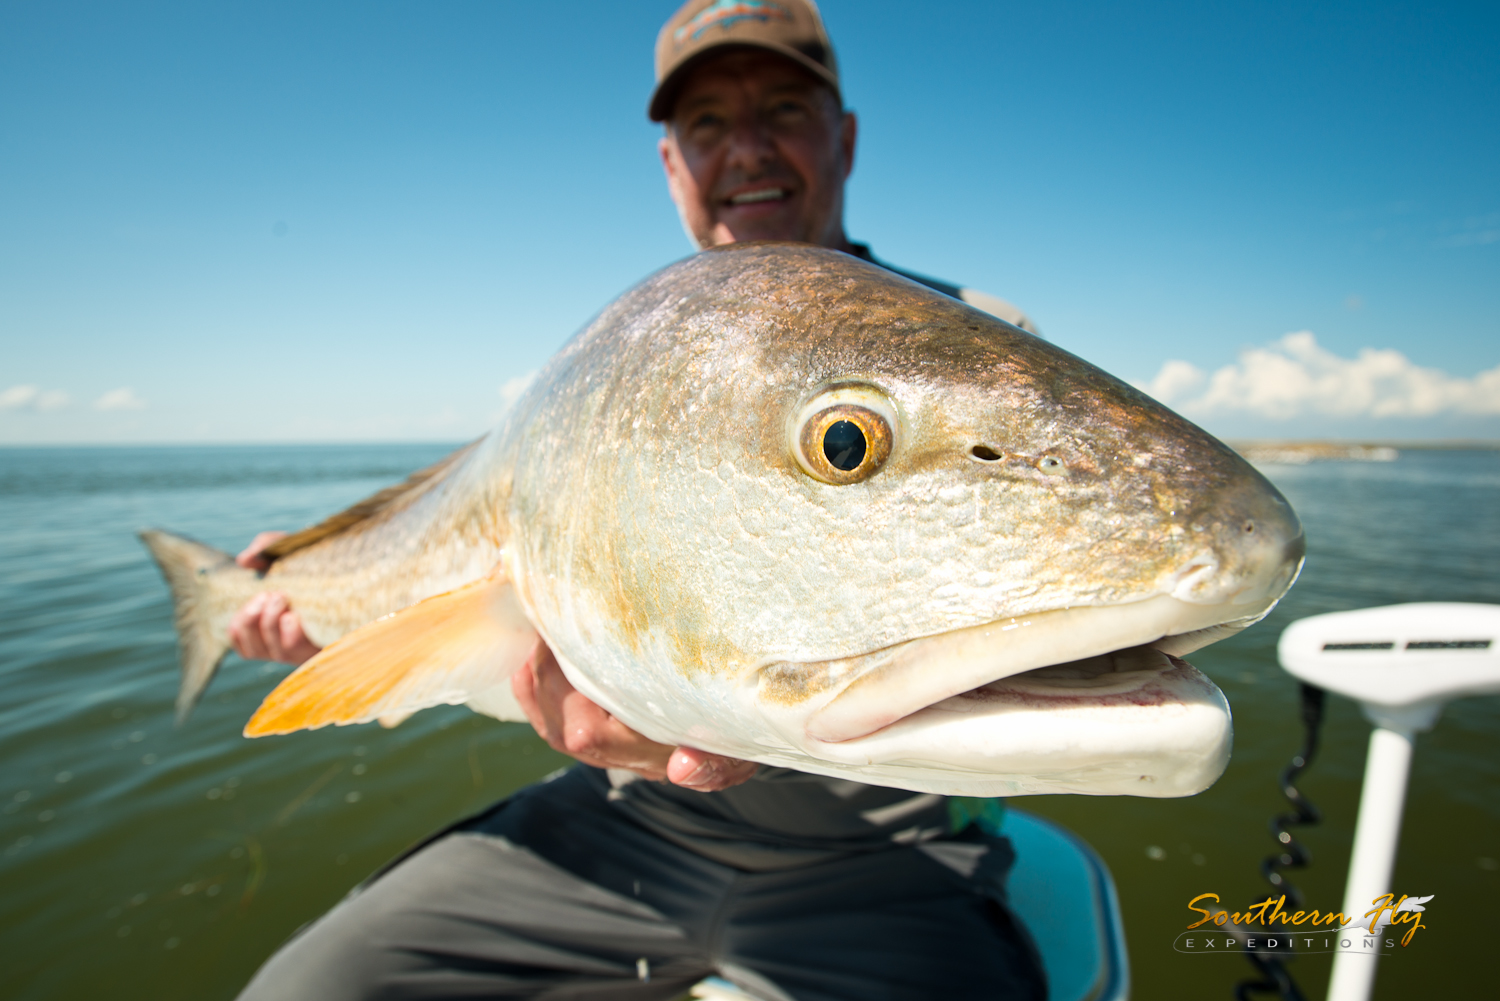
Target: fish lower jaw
point(1152, 732)
point(1135, 722)
point(892, 684)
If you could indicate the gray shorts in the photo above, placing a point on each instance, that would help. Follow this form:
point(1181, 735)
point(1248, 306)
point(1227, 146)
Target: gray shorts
point(555, 894)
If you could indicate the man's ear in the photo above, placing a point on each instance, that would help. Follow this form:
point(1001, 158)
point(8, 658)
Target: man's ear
point(679, 185)
point(848, 133)
point(666, 146)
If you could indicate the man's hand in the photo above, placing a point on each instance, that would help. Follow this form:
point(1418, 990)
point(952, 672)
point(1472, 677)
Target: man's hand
point(251, 559)
point(265, 627)
point(571, 723)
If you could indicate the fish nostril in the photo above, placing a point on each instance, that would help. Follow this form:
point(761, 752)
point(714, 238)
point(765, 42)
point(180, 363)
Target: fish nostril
point(985, 454)
point(1249, 527)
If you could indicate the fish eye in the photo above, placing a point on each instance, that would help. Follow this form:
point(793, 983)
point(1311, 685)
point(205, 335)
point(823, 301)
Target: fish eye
point(844, 435)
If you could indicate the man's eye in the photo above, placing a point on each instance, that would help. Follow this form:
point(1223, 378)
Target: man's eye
point(706, 121)
point(789, 115)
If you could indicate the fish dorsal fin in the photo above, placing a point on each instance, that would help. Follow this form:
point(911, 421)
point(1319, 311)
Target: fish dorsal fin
point(448, 649)
point(387, 501)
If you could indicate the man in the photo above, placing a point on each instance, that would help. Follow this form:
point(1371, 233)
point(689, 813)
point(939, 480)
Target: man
point(600, 883)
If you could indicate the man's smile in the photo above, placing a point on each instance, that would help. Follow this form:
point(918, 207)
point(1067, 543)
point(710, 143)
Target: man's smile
point(756, 195)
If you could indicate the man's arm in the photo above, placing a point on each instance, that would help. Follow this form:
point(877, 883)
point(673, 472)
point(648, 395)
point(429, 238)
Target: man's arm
point(268, 628)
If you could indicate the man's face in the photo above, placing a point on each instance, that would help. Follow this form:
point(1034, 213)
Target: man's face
point(757, 148)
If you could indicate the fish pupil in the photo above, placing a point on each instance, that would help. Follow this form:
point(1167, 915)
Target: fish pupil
point(844, 445)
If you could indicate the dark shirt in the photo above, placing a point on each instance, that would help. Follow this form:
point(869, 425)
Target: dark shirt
point(979, 300)
point(780, 819)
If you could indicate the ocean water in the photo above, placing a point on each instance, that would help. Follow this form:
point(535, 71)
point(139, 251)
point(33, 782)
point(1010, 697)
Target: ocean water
point(139, 859)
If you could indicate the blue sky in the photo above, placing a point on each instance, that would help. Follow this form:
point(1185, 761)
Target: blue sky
point(319, 222)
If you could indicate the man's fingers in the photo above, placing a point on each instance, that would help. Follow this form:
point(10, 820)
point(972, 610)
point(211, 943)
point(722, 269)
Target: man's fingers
point(289, 634)
point(253, 560)
point(244, 630)
point(281, 631)
point(271, 611)
point(250, 558)
point(523, 686)
point(704, 771)
point(549, 688)
point(267, 628)
point(296, 648)
point(598, 739)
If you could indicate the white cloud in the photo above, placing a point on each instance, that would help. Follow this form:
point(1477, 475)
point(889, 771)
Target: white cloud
point(1175, 381)
point(17, 397)
point(123, 398)
point(1293, 376)
point(33, 398)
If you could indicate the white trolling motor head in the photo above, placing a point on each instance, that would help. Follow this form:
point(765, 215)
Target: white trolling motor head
point(1400, 662)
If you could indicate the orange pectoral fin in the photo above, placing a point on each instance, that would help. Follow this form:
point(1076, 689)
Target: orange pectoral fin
point(443, 650)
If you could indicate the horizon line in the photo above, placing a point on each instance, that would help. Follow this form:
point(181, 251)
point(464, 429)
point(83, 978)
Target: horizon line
point(1453, 444)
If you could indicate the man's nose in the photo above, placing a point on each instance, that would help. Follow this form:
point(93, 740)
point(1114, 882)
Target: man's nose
point(750, 145)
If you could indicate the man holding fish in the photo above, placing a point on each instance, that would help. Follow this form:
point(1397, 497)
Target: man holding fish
point(791, 878)
point(757, 146)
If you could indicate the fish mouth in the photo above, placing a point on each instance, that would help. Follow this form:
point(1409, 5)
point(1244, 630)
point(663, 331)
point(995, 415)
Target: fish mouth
point(851, 698)
point(1135, 722)
point(1201, 602)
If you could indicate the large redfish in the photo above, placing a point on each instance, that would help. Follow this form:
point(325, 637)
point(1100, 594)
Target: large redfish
point(784, 505)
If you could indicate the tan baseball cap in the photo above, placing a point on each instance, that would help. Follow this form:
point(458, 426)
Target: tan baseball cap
point(792, 28)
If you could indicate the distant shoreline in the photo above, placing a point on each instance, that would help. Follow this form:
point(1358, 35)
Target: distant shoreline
point(1301, 452)
point(1401, 444)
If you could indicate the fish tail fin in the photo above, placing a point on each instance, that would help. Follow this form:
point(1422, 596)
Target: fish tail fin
point(452, 648)
point(186, 565)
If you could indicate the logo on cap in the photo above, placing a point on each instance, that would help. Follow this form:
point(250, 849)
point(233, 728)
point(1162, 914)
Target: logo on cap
point(727, 13)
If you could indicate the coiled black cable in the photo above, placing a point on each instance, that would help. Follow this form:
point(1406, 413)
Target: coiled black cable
point(1271, 973)
point(1293, 854)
